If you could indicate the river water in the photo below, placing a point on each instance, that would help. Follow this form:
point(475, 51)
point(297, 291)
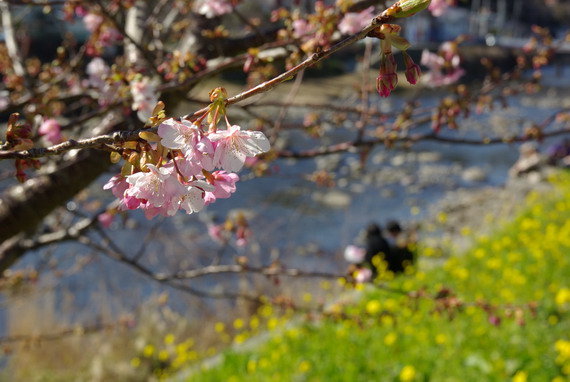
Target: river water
point(292, 219)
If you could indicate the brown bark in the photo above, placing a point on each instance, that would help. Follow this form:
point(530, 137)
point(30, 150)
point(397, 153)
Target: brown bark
point(23, 207)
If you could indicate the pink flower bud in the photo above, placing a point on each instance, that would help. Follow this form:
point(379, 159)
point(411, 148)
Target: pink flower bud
point(105, 219)
point(387, 79)
point(413, 71)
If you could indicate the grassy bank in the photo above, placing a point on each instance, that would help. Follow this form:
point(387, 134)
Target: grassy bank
point(499, 312)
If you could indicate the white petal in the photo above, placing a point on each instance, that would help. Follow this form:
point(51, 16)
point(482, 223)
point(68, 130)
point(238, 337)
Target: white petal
point(233, 159)
point(203, 185)
point(193, 201)
point(261, 140)
point(254, 143)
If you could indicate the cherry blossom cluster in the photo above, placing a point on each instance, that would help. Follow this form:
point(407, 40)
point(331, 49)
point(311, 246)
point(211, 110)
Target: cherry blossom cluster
point(103, 34)
point(199, 168)
point(314, 30)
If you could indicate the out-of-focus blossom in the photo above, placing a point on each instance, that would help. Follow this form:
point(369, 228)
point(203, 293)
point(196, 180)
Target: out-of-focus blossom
point(443, 68)
point(301, 29)
point(145, 97)
point(354, 254)
point(362, 275)
point(439, 7)
point(109, 36)
point(4, 100)
point(51, 130)
point(216, 232)
point(92, 22)
point(213, 8)
point(353, 22)
point(105, 219)
point(98, 71)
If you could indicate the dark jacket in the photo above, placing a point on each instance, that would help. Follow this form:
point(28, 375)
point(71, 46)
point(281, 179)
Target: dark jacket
point(376, 244)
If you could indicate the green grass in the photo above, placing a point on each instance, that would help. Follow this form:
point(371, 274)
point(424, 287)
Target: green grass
point(503, 315)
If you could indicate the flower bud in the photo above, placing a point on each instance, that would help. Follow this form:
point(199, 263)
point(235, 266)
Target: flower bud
point(407, 8)
point(413, 71)
point(387, 79)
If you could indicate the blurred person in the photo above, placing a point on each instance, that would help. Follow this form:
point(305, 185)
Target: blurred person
point(401, 254)
point(376, 245)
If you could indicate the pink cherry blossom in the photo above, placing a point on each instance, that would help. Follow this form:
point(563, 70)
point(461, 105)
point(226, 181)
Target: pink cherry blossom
point(158, 188)
point(193, 199)
point(118, 185)
point(189, 139)
point(354, 254)
point(51, 130)
point(224, 183)
point(234, 145)
point(213, 8)
point(353, 22)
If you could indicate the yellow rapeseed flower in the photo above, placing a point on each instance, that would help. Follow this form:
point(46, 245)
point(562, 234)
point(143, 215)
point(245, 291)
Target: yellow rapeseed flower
point(148, 350)
point(238, 323)
point(373, 307)
point(251, 366)
point(169, 339)
point(408, 373)
point(163, 355)
point(562, 296)
point(440, 339)
point(135, 362)
point(219, 327)
point(390, 339)
point(304, 366)
point(520, 376)
point(254, 322)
